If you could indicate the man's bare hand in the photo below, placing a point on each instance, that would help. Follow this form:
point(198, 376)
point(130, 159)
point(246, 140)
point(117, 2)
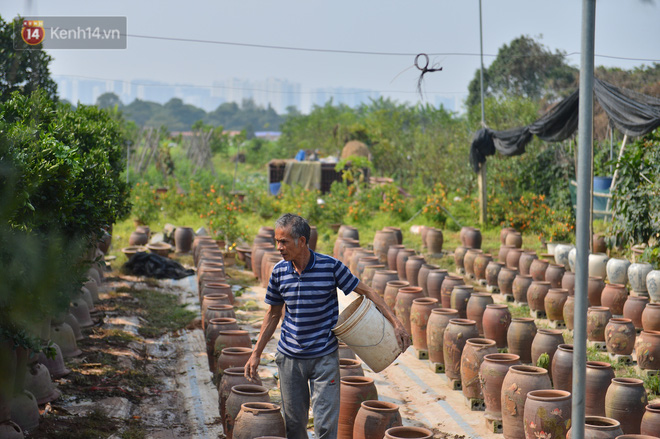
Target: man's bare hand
point(251, 368)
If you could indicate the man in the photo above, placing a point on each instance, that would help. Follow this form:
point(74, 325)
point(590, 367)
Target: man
point(306, 282)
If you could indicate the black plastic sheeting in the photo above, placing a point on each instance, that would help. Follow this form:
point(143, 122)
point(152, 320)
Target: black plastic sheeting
point(153, 265)
point(631, 113)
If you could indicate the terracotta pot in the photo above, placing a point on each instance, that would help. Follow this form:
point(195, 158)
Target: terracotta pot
point(620, 336)
point(342, 245)
point(614, 297)
point(597, 319)
point(392, 254)
point(230, 338)
point(218, 311)
point(647, 348)
point(637, 273)
point(562, 368)
point(492, 272)
point(423, 275)
point(268, 231)
point(503, 253)
point(518, 382)
point(595, 286)
point(600, 427)
point(538, 268)
point(514, 238)
point(651, 420)
point(546, 341)
point(313, 237)
point(505, 280)
point(423, 231)
point(598, 378)
point(459, 257)
point(480, 263)
point(568, 282)
point(25, 411)
point(391, 290)
point(476, 306)
point(381, 278)
point(345, 351)
point(633, 309)
point(75, 326)
point(213, 299)
point(138, 238)
point(434, 283)
point(359, 253)
point(599, 245)
point(651, 317)
point(346, 231)
point(617, 271)
point(468, 261)
point(354, 390)
point(408, 433)
point(473, 355)
point(472, 238)
point(496, 322)
point(525, 261)
point(536, 295)
point(39, 383)
point(554, 303)
point(212, 329)
point(459, 299)
point(491, 374)
point(434, 241)
point(513, 258)
point(569, 312)
point(401, 259)
point(420, 312)
point(598, 265)
point(374, 418)
point(554, 274)
point(369, 273)
point(231, 357)
point(504, 232)
point(257, 419)
point(456, 335)
point(397, 233)
point(412, 267)
point(547, 411)
point(403, 304)
point(626, 401)
point(653, 285)
point(217, 288)
point(435, 331)
point(258, 251)
point(363, 263)
point(55, 365)
point(448, 284)
point(231, 377)
point(350, 367)
point(183, 238)
point(520, 337)
point(239, 395)
point(63, 336)
point(520, 286)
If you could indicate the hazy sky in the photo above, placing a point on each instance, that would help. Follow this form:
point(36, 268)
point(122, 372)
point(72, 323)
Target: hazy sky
point(624, 28)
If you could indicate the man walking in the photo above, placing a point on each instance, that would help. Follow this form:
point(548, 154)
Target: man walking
point(307, 358)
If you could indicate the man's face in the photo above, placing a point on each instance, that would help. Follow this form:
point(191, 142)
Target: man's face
point(288, 247)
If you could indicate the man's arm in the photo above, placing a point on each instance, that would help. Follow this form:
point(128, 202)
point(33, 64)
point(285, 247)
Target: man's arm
point(268, 327)
point(402, 336)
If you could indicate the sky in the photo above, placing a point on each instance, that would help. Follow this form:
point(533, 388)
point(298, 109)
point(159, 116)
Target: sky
point(624, 29)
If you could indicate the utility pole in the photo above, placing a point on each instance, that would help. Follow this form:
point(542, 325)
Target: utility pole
point(481, 177)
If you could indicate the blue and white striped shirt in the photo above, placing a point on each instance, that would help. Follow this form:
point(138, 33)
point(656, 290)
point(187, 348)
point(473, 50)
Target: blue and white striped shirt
point(311, 304)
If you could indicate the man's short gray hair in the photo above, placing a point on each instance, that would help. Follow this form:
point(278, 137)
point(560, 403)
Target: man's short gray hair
point(296, 224)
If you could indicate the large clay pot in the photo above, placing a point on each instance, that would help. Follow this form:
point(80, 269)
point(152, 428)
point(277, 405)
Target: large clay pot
point(401, 259)
point(514, 238)
point(620, 336)
point(397, 233)
point(217, 288)
point(518, 382)
point(374, 418)
point(633, 309)
point(468, 261)
point(637, 273)
point(343, 244)
point(653, 285)
point(536, 295)
point(554, 303)
point(408, 433)
point(476, 306)
point(513, 258)
point(491, 374)
point(473, 355)
point(647, 348)
point(598, 265)
point(232, 376)
point(218, 311)
point(459, 257)
point(562, 368)
point(448, 284)
point(381, 278)
point(239, 395)
point(472, 237)
point(459, 299)
point(351, 232)
point(547, 412)
point(423, 275)
point(597, 319)
point(420, 312)
point(525, 261)
point(213, 299)
point(349, 367)
point(313, 237)
point(651, 420)
point(496, 321)
point(392, 254)
point(600, 427)
point(354, 390)
point(598, 243)
point(520, 336)
point(345, 351)
point(456, 335)
point(435, 331)
point(480, 263)
point(598, 378)
point(391, 290)
point(138, 238)
point(538, 268)
point(561, 254)
point(503, 253)
point(520, 286)
point(434, 283)
point(651, 317)
point(492, 272)
point(403, 304)
point(257, 419)
point(614, 297)
point(231, 338)
point(554, 274)
point(505, 280)
point(258, 251)
point(568, 282)
point(626, 401)
point(413, 265)
point(595, 286)
point(504, 232)
point(183, 238)
point(369, 273)
point(546, 341)
point(355, 259)
point(231, 357)
point(617, 271)
point(434, 241)
point(363, 263)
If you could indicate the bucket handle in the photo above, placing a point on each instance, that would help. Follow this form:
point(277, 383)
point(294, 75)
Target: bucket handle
point(382, 336)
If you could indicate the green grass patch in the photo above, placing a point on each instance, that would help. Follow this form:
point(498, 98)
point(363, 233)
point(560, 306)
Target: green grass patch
point(518, 311)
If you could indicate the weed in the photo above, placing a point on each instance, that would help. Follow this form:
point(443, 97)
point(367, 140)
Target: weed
point(519, 311)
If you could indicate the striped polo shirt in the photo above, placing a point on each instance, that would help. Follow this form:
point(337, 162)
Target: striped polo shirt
point(311, 309)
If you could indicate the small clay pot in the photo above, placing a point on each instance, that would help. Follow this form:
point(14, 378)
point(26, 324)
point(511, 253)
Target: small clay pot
point(651, 420)
point(554, 303)
point(350, 367)
point(391, 290)
point(600, 427)
point(403, 304)
point(459, 299)
point(354, 390)
point(412, 267)
point(554, 274)
point(568, 282)
point(536, 295)
point(408, 433)
point(492, 271)
point(448, 284)
point(647, 348)
point(538, 268)
point(476, 306)
point(595, 286)
point(420, 311)
point(525, 261)
point(381, 278)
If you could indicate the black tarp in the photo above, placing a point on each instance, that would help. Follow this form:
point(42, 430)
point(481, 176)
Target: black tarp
point(632, 113)
point(153, 265)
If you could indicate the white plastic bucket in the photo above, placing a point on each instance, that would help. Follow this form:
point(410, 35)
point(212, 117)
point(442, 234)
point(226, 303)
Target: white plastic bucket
point(368, 333)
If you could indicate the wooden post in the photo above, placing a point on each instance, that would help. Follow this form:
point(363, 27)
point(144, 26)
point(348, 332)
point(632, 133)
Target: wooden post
point(483, 197)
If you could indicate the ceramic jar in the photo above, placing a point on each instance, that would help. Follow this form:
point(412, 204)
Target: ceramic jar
point(554, 303)
point(480, 264)
point(420, 311)
point(435, 331)
point(468, 261)
point(571, 259)
point(633, 309)
point(626, 401)
point(647, 348)
point(600, 427)
point(492, 271)
point(614, 297)
point(231, 357)
point(391, 290)
point(617, 271)
point(434, 241)
point(505, 280)
point(401, 259)
point(538, 268)
point(514, 238)
point(423, 275)
point(598, 378)
point(257, 419)
point(409, 433)
point(546, 341)
point(503, 253)
point(239, 395)
point(459, 257)
point(561, 254)
point(520, 337)
point(595, 286)
point(456, 334)
point(138, 238)
point(597, 319)
point(519, 288)
point(536, 295)
point(491, 373)
point(383, 239)
point(496, 321)
point(568, 282)
point(392, 254)
point(651, 317)
point(434, 283)
point(525, 261)
point(381, 278)
point(476, 306)
point(651, 420)
point(653, 285)
point(598, 265)
point(397, 233)
point(513, 258)
point(472, 237)
point(374, 418)
point(354, 390)
point(620, 336)
point(554, 274)
point(518, 382)
point(412, 267)
point(562, 368)
point(637, 273)
point(505, 231)
point(349, 367)
point(473, 355)
point(459, 299)
point(232, 376)
point(448, 284)
point(547, 411)
point(403, 304)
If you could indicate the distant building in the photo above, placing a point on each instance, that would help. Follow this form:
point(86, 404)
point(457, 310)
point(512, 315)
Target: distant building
point(352, 97)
